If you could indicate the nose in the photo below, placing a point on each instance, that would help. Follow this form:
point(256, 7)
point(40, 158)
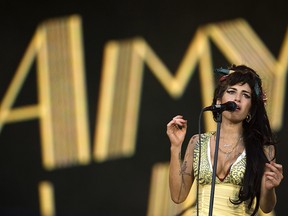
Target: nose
point(237, 97)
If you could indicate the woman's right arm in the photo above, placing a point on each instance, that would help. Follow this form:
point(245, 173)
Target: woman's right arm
point(180, 172)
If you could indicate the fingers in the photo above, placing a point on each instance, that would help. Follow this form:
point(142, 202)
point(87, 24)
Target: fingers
point(178, 122)
point(275, 173)
point(274, 167)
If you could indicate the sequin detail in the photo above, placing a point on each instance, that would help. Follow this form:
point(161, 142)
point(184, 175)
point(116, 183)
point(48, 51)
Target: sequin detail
point(236, 172)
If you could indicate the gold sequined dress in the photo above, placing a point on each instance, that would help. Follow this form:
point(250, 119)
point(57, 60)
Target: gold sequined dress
point(224, 188)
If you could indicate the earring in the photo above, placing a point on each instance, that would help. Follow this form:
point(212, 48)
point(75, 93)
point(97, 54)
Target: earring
point(248, 118)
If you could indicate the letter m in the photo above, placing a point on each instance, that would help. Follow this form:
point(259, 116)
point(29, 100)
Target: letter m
point(120, 91)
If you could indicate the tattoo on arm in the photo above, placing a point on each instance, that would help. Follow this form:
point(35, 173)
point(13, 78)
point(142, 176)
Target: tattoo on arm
point(183, 169)
point(179, 158)
point(183, 172)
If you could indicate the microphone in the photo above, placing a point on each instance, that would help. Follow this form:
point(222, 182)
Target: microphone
point(229, 106)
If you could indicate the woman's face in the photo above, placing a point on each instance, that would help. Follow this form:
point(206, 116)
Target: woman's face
point(241, 94)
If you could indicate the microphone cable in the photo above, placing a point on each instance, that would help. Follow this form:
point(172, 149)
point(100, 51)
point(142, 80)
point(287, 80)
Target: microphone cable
point(199, 161)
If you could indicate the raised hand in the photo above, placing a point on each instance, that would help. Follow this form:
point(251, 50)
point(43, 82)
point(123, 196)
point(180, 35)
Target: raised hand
point(273, 175)
point(176, 130)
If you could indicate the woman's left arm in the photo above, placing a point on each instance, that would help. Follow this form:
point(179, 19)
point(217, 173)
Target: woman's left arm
point(272, 177)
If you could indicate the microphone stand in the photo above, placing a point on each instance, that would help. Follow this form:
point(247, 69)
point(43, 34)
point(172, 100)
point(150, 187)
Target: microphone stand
point(218, 120)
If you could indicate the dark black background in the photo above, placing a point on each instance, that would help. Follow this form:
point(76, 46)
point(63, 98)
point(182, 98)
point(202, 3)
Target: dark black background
point(116, 187)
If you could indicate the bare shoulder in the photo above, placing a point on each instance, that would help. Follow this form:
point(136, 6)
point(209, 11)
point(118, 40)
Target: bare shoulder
point(269, 151)
point(193, 140)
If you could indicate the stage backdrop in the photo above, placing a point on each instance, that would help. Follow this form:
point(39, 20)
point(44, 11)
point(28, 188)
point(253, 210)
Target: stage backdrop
point(86, 91)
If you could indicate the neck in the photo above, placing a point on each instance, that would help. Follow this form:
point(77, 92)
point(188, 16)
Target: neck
point(231, 130)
